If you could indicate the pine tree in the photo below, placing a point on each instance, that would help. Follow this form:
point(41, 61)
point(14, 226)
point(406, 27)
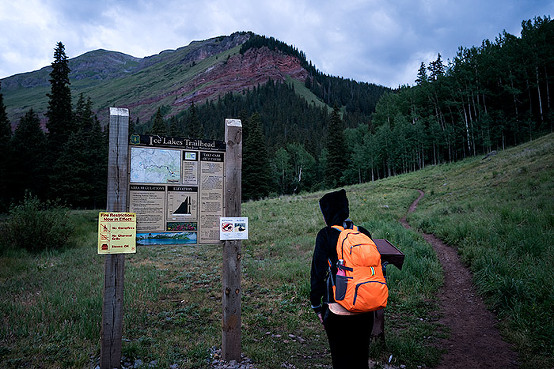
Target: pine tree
point(256, 178)
point(60, 121)
point(422, 75)
point(159, 127)
point(195, 128)
point(28, 167)
point(91, 153)
point(336, 150)
point(174, 130)
point(5, 127)
point(59, 105)
point(5, 150)
point(83, 114)
point(436, 68)
point(84, 155)
point(98, 159)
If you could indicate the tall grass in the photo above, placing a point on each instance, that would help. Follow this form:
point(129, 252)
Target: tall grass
point(49, 306)
point(498, 213)
point(278, 257)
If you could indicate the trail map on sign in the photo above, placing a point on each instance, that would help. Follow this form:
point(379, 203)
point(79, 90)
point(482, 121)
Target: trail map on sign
point(176, 189)
point(155, 165)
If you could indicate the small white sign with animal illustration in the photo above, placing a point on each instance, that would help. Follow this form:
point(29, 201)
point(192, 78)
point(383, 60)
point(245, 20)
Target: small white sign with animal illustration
point(233, 228)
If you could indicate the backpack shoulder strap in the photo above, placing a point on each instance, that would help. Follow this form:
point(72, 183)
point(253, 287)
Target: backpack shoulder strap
point(339, 228)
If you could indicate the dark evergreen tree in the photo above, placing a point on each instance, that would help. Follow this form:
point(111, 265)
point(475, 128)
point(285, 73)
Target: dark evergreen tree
point(5, 127)
point(5, 153)
point(93, 155)
point(422, 75)
point(174, 129)
point(336, 150)
point(436, 68)
point(59, 111)
point(83, 114)
point(60, 120)
point(99, 159)
point(195, 128)
point(159, 127)
point(256, 175)
point(84, 156)
point(28, 167)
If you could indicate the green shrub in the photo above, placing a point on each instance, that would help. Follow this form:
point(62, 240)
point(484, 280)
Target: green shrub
point(36, 226)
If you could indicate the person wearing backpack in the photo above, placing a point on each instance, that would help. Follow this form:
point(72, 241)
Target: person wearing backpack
point(348, 328)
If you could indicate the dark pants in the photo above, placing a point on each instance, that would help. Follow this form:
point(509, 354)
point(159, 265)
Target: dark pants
point(349, 337)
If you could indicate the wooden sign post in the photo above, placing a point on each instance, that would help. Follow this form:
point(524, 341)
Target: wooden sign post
point(112, 309)
point(232, 253)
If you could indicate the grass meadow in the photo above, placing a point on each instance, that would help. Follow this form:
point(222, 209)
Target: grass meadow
point(498, 212)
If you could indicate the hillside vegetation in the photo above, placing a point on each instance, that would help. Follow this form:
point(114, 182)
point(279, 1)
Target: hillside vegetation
point(497, 211)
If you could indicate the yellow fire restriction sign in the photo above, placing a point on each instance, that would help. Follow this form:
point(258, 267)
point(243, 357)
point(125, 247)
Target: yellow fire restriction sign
point(117, 232)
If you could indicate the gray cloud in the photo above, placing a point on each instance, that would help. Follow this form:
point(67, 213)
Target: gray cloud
point(375, 41)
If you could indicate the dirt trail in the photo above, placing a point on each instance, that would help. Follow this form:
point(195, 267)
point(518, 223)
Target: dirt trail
point(474, 340)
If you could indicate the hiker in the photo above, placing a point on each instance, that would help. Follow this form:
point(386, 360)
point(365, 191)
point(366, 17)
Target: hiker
point(348, 333)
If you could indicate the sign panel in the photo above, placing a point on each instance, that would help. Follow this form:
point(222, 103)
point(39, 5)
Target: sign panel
point(117, 233)
point(233, 228)
point(176, 189)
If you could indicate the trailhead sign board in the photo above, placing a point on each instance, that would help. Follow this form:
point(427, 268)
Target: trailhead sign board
point(176, 189)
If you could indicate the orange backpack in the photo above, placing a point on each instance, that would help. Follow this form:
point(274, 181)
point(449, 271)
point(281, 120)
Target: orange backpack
point(360, 285)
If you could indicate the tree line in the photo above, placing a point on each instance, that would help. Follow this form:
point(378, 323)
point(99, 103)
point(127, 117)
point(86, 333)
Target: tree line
point(355, 97)
point(68, 162)
point(284, 149)
point(486, 98)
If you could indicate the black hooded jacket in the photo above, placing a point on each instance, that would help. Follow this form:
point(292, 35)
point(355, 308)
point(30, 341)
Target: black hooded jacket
point(334, 207)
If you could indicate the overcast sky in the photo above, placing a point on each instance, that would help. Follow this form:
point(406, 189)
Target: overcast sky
point(377, 41)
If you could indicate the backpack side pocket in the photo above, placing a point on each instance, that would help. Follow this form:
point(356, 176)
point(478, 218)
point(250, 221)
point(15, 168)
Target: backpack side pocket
point(340, 287)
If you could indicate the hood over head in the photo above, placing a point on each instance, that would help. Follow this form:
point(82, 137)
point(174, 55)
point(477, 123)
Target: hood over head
point(334, 207)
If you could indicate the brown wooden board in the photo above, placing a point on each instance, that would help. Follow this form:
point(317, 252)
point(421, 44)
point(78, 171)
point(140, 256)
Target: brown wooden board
point(389, 253)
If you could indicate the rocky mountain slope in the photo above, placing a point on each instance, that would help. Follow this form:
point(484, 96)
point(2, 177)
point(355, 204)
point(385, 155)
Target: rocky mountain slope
point(173, 79)
point(235, 74)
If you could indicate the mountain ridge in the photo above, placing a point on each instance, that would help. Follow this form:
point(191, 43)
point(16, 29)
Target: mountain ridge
point(199, 72)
